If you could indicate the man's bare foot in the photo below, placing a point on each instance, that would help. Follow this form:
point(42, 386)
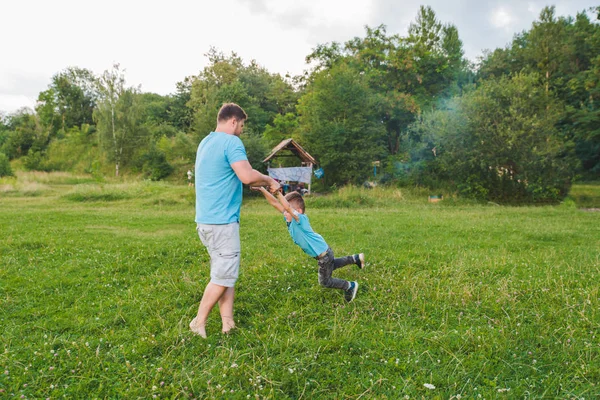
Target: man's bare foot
point(228, 324)
point(197, 328)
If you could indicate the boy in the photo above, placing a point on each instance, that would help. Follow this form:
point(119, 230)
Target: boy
point(313, 244)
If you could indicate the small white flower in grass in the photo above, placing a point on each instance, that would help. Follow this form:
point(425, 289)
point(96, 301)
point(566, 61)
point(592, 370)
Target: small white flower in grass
point(429, 386)
point(291, 370)
point(503, 390)
point(234, 365)
point(154, 388)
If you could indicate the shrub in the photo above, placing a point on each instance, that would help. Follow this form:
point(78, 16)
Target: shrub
point(5, 169)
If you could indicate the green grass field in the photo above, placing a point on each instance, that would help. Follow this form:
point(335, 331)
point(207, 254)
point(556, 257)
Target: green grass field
point(98, 283)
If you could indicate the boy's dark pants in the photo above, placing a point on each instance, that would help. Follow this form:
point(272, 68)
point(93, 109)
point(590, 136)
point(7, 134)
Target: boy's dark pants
point(327, 264)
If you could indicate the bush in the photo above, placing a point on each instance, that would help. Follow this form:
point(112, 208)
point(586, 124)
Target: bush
point(155, 165)
point(5, 169)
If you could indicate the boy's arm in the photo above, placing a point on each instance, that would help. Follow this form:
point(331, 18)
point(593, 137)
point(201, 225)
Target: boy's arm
point(270, 199)
point(286, 206)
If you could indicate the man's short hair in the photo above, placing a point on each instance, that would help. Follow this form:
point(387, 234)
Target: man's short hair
point(296, 200)
point(231, 110)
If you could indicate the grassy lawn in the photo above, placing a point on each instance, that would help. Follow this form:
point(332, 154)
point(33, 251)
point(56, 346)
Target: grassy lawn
point(98, 283)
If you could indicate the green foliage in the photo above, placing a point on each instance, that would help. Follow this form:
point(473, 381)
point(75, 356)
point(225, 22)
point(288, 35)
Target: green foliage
point(5, 169)
point(261, 94)
point(256, 150)
point(354, 107)
point(155, 165)
point(499, 143)
point(339, 124)
point(68, 102)
point(563, 52)
point(67, 153)
point(22, 133)
point(284, 127)
point(118, 117)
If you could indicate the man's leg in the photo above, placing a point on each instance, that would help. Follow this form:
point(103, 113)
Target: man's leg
point(226, 309)
point(212, 294)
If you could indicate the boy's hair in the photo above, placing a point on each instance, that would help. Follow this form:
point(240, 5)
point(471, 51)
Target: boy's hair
point(296, 200)
point(231, 110)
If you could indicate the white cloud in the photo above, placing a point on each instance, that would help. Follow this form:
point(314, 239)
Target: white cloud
point(12, 103)
point(502, 18)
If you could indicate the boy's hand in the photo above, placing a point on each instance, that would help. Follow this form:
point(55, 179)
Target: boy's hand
point(257, 188)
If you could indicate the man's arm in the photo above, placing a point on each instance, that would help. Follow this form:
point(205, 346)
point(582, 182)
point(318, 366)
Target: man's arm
point(252, 177)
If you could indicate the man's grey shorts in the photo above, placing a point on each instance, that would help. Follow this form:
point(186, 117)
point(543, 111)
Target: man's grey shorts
point(223, 245)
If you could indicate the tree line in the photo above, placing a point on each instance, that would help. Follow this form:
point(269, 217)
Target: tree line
point(520, 125)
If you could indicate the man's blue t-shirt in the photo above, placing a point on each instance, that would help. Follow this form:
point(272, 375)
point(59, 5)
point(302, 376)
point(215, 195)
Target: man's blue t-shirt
point(218, 189)
point(303, 235)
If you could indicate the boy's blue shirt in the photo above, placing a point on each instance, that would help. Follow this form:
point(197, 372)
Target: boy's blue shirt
point(303, 235)
point(218, 189)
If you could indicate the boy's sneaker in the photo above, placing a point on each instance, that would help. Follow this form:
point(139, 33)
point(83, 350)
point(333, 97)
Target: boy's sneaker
point(350, 294)
point(359, 259)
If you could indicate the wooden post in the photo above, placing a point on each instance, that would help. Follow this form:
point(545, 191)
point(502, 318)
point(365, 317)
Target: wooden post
point(311, 167)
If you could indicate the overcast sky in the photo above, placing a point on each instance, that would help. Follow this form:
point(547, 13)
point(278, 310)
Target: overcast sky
point(161, 42)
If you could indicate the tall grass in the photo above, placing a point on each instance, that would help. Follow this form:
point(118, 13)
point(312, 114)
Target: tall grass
point(458, 300)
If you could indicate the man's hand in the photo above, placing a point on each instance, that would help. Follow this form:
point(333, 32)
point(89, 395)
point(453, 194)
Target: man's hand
point(274, 186)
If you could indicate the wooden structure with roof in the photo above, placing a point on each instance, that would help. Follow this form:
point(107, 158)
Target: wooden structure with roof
point(296, 151)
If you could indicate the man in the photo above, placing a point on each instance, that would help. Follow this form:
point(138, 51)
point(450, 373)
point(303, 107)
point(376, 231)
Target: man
point(221, 168)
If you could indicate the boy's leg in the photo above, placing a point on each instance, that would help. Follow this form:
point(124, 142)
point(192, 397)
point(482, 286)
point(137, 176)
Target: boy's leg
point(343, 261)
point(326, 267)
point(357, 259)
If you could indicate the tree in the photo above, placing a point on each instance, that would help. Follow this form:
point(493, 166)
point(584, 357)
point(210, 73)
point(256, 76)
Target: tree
point(339, 124)
point(69, 100)
point(562, 51)
point(283, 127)
point(118, 116)
point(23, 133)
point(500, 142)
point(261, 94)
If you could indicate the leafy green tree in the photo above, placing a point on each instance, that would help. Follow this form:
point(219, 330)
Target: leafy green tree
point(180, 114)
point(118, 117)
point(69, 100)
point(256, 150)
point(500, 143)
point(563, 52)
point(283, 127)
point(226, 79)
point(23, 133)
point(339, 124)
